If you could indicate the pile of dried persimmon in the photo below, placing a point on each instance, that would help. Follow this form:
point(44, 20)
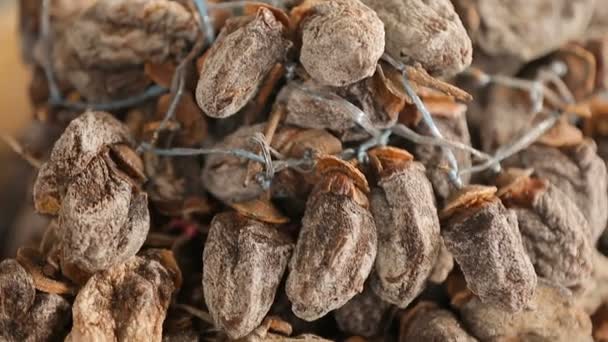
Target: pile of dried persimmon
point(350, 170)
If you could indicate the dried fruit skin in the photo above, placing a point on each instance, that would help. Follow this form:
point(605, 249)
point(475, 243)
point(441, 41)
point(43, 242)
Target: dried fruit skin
point(244, 261)
point(26, 315)
point(486, 243)
point(236, 64)
point(443, 265)
point(102, 54)
point(223, 175)
point(528, 30)
point(371, 95)
point(127, 302)
point(91, 182)
point(363, 315)
point(578, 172)
point(552, 316)
point(306, 110)
point(427, 32)
point(554, 233)
point(150, 31)
point(101, 222)
point(17, 292)
point(404, 210)
point(82, 141)
point(342, 41)
point(333, 257)
point(434, 324)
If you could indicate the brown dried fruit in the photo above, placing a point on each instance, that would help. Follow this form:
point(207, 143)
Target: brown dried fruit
point(526, 30)
point(337, 242)
point(454, 129)
point(578, 172)
point(443, 265)
point(363, 315)
point(127, 302)
point(552, 316)
point(342, 41)
point(102, 54)
point(17, 292)
point(507, 113)
point(595, 291)
point(150, 31)
point(244, 261)
point(24, 314)
point(103, 217)
point(101, 221)
point(236, 64)
point(428, 323)
point(82, 141)
point(484, 238)
point(427, 32)
point(378, 97)
point(553, 229)
point(404, 210)
point(223, 175)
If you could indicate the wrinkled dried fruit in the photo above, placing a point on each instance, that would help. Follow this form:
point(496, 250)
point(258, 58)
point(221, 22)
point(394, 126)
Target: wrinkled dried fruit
point(82, 141)
point(244, 261)
point(428, 323)
point(378, 97)
point(102, 54)
point(526, 30)
point(363, 315)
point(484, 238)
point(553, 229)
point(150, 31)
point(427, 32)
point(342, 41)
point(91, 182)
point(224, 175)
point(235, 66)
point(26, 315)
point(578, 172)
point(17, 292)
point(101, 221)
point(551, 316)
point(337, 242)
point(127, 302)
point(404, 210)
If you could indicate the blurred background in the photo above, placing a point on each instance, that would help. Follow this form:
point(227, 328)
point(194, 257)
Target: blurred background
point(15, 116)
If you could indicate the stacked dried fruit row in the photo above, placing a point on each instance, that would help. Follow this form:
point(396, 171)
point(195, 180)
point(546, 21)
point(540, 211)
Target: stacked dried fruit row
point(271, 157)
